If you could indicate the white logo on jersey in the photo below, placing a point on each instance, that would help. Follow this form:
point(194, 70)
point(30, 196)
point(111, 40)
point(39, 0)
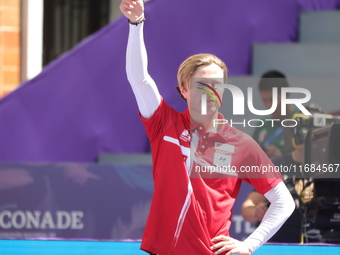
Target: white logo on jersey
point(185, 136)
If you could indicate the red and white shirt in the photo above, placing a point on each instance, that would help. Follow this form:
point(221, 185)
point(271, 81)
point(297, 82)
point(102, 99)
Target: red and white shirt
point(190, 208)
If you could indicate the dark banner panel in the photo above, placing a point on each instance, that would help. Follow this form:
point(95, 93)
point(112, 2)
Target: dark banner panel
point(74, 201)
point(82, 201)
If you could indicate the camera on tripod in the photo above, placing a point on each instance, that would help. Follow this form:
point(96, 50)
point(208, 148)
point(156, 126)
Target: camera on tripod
point(321, 138)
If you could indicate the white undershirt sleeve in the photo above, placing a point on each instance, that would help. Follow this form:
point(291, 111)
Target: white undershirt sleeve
point(281, 207)
point(143, 86)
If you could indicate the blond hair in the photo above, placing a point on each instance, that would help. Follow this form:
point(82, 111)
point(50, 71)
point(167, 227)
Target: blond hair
point(190, 65)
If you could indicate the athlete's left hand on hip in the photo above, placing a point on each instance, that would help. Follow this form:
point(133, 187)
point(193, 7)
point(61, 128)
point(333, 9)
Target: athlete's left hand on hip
point(226, 243)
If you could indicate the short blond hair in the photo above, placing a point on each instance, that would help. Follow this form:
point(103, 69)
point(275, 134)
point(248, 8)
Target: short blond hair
point(192, 63)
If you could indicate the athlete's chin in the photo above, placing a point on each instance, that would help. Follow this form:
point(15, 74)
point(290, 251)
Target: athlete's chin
point(212, 109)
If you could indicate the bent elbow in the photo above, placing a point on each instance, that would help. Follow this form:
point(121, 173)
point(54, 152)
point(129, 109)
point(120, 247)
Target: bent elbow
point(287, 208)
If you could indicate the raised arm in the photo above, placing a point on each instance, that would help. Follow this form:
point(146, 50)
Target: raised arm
point(143, 86)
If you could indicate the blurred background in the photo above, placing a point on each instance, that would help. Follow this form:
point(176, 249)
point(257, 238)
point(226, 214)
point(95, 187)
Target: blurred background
point(34, 33)
point(72, 148)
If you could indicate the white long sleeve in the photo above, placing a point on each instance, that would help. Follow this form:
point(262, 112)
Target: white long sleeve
point(143, 86)
point(281, 207)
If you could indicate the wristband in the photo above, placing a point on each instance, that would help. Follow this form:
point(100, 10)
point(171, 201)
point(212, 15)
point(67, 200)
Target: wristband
point(138, 22)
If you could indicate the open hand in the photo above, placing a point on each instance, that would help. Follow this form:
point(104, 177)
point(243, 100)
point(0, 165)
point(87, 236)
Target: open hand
point(229, 245)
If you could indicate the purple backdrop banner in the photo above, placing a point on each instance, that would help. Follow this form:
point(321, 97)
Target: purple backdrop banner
point(81, 105)
point(82, 201)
